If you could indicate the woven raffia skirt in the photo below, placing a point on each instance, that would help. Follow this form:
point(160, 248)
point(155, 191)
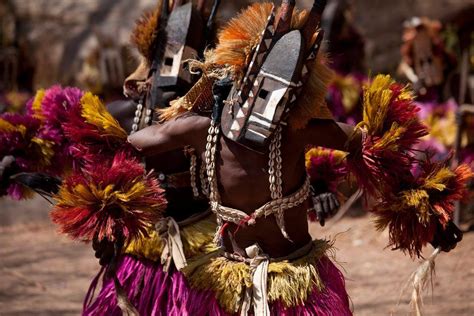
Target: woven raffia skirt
point(148, 288)
point(309, 285)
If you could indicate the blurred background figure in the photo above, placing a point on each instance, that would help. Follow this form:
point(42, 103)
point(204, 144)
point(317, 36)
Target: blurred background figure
point(436, 59)
point(345, 47)
point(426, 62)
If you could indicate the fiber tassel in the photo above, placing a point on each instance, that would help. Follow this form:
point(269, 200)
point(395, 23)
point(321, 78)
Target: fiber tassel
point(419, 279)
point(122, 301)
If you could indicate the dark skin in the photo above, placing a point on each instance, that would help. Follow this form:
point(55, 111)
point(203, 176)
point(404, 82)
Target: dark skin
point(243, 178)
point(240, 168)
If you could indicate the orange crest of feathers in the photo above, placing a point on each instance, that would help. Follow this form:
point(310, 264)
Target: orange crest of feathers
point(236, 43)
point(242, 34)
point(146, 31)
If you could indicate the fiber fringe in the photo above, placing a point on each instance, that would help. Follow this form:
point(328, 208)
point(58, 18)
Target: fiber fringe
point(289, 283)
point(199, 98)
point(152, 291)
point(312, 100)
point(197, 239)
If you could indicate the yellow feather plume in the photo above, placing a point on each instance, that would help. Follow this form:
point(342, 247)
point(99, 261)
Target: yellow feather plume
point(7, 127)
point(36, 106)
point(389, 140)
point(95, 113)
point(377, 98)
point(45, 150)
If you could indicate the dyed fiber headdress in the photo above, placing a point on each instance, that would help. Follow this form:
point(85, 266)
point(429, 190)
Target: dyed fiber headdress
point(249, 48)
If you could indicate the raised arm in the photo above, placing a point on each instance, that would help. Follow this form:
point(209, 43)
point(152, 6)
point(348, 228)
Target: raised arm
point(179, 132)
point(330, 134)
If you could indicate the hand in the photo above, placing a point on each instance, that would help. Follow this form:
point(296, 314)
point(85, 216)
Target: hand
point(106, 250)
point(5, 163)
point(325, 206)
point(355, 143)
point(447, 238)
point(6, 170)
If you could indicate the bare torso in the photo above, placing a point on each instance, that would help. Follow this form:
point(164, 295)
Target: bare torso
point(243, 177)
point(244, 184)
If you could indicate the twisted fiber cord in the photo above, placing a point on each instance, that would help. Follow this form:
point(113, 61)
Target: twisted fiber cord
point(276, 206)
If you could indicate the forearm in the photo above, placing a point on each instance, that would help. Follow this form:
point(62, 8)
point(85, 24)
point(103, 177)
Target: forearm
point(333, 135)
point(172, 135)
point(353, 134)
point(154, 140)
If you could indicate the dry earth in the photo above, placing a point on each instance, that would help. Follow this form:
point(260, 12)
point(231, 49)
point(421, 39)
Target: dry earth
point(42, 273)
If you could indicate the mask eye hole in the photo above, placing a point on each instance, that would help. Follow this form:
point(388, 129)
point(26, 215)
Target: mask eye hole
point(169, 61)
point(263, 94)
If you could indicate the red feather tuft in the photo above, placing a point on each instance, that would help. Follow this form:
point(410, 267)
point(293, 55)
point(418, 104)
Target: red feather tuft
point(427, 198)
point(108, 199)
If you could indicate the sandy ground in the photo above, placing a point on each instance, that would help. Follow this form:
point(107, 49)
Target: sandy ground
point(42, 273)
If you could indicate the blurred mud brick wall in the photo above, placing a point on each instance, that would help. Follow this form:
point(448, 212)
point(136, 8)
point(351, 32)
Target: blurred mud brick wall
point(55, 37)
